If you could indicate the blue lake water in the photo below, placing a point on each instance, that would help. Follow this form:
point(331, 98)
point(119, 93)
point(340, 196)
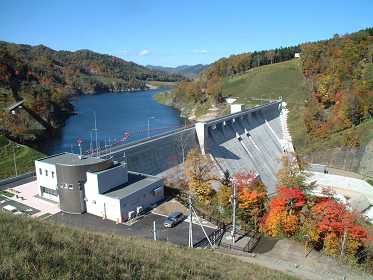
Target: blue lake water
point(116, 114)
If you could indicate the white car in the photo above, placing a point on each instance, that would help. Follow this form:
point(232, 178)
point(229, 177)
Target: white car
point(14, 210)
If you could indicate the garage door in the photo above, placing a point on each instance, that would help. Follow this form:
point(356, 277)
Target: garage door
point(111, 212)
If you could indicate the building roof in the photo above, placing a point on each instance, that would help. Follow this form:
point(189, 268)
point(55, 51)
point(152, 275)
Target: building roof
point(135, 182)
point(70, 159)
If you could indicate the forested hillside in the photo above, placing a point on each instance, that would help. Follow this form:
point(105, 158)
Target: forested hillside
point(209, 85)
point(191, 72)
point(340, 73)
point(340, 78)
point(46, 79)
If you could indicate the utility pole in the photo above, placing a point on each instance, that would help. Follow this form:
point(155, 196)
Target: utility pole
point(155, 231)
point(234, 212)
point(190, 223)
point(96, 135)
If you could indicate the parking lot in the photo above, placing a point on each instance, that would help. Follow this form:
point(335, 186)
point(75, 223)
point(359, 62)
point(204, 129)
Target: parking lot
point(4, 201)
point(142, 228)
point(31, 203)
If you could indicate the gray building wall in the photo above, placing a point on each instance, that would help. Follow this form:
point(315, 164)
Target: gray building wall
point(68, 187)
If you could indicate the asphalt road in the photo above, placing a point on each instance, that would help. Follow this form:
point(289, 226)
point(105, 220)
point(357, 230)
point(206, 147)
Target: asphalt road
point(17, 183)
point(142, 228)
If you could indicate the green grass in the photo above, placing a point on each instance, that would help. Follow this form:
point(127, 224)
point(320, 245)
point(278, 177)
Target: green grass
point(202, 108)
point(161, 97)
point(32, 249)
point(43, 216)
point(282, 79)
point(25, 158)
point(5, 193)
point(160, 84)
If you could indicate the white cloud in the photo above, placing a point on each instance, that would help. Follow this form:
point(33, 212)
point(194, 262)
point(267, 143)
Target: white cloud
point(144, 52)
point(162, 54)
point(204, 52)
point(123, 53)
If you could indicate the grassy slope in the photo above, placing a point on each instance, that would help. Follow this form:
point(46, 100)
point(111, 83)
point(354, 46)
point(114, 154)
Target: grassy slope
point(49, 251)
point(25, 158)
point(282, 79)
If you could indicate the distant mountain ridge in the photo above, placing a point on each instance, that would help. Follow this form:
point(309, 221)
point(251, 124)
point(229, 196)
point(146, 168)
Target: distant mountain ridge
point(191, 72)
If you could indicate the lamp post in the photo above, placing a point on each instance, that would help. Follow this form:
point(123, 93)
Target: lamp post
point(148, 124)
point(91, 141)
point(270, 96)
point(14, 156)
point(261, 99)
point(184, 120)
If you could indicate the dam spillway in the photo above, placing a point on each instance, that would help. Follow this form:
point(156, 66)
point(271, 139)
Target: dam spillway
point(252, 139)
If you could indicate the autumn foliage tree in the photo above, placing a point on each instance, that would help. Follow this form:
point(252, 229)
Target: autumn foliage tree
point(339, 71)
point(337, 228)
point(198, 168)
point(283, 216)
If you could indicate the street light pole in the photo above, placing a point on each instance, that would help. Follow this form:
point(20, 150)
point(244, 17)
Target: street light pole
point(270, 96)
point(261, 99)
point(91, 142)
point(184, 120)
point(234, 212)
point(148, 124)
point(14, 156)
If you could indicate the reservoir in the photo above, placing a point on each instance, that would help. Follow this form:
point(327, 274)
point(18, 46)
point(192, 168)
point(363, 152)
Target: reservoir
point(116, 113)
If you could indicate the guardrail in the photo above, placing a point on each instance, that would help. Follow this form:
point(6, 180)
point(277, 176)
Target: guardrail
point(17, 178)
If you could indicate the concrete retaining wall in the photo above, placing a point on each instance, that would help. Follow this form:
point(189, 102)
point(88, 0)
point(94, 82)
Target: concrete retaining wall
point(343, 185)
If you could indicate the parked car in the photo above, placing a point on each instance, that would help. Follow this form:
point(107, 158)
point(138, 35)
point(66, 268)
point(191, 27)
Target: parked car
point(14, 210)
point(174, 219)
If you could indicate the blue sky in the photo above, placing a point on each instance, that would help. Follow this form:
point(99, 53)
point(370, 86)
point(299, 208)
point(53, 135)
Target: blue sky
point(178, 32)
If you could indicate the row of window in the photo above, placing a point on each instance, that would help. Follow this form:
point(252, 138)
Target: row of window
point(46, 172)
point(65, 186)
point(49, 191)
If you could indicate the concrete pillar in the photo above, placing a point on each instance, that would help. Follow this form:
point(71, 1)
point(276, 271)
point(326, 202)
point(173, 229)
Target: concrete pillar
point(221, 127)
point(237, 108)
point(202, 135)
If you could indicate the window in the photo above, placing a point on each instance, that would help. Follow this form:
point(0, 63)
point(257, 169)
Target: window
point(52, 174)
point(40, 171)
point(46, 173)
point(49, 191)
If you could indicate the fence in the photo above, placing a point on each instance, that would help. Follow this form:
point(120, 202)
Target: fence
point(201, 214)
point(214, 238)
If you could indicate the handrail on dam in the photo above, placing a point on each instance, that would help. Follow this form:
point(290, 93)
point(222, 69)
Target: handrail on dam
point(244, 112)
point(152, 138)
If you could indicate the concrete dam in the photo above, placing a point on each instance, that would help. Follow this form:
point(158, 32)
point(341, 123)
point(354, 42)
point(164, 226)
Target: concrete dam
point(252, 139)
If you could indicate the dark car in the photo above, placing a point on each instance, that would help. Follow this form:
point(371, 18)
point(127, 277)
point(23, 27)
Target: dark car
point(174, 219)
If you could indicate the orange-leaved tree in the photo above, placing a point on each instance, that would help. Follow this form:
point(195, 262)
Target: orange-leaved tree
point(251, 197)
point(283, 215)
point(338, 228)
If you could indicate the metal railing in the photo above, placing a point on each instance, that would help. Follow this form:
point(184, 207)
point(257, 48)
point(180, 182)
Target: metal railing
point(204, 216)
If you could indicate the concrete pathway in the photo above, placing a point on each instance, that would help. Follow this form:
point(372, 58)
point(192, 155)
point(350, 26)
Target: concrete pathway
point(28, 195)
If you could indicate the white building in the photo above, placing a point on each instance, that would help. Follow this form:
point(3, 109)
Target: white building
point(101, 187)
